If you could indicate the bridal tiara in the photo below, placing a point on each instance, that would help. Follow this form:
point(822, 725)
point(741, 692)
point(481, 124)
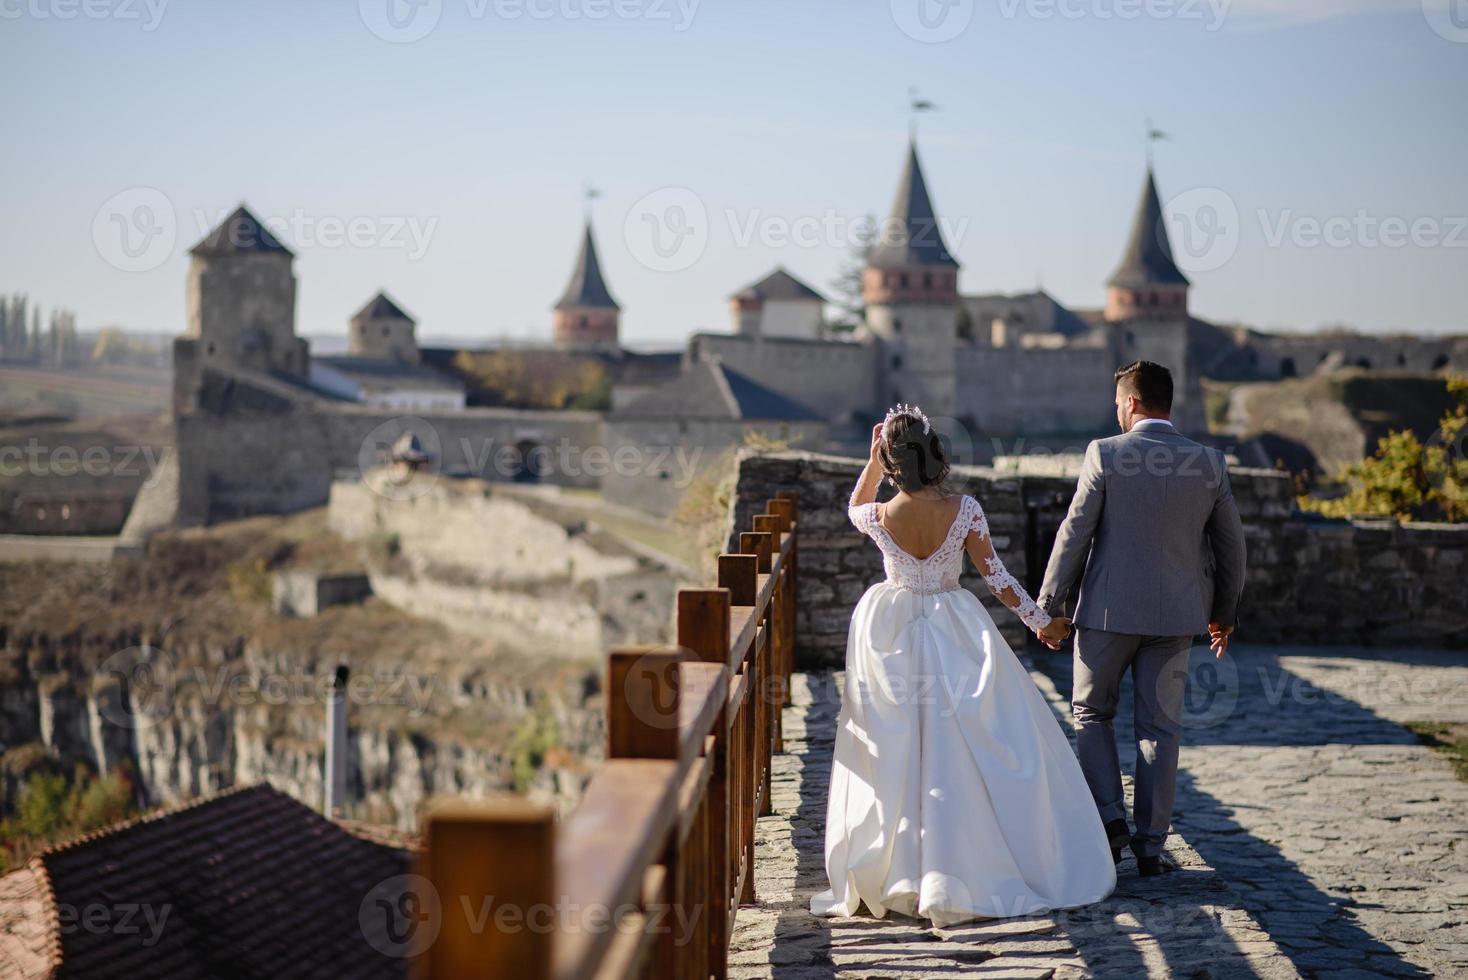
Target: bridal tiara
point(900, 409)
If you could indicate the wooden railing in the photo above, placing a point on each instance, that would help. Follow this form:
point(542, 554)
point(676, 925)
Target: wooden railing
point(645, 877)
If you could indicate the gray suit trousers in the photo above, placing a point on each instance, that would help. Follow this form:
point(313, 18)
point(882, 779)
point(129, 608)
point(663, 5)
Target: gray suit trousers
point(1159, 666)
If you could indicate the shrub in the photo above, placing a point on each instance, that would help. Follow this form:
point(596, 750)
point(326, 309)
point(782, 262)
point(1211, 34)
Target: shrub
point(1409, 479)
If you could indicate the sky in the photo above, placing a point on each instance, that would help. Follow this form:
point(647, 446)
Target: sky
point(440, 149)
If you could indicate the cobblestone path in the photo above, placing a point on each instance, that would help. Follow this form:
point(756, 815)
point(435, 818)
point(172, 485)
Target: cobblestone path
point(1187, 924)
point(1347, 838)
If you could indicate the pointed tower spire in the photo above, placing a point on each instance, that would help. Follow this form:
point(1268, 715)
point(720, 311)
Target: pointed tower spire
point(911, 235)
point(1147, 282)
point(587, 288)
point(1148, 260)
point(910, 288)
point(586, 315)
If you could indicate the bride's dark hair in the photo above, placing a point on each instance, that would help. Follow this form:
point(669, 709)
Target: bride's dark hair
point(911, 456)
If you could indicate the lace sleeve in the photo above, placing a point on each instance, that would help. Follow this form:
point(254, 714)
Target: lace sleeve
point(864, 516)
point(1000, 580)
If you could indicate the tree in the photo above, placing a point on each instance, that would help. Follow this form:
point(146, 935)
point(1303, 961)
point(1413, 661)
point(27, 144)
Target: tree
point(1409, 479)
point(847, 285)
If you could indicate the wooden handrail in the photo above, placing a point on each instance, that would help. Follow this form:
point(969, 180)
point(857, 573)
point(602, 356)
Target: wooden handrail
point(645, 877)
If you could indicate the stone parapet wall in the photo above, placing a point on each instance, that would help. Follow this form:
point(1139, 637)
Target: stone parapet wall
point(1309, 581)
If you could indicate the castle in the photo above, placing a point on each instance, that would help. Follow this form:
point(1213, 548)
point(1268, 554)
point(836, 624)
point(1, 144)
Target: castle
point(992, 366)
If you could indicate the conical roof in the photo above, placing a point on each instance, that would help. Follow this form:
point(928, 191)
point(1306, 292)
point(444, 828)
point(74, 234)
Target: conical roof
point(587, 287)
point(1148, 260)
point(911, 235)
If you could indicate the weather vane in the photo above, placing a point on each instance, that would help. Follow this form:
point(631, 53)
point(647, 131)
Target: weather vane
point(1154, 135)
point(915, 105)
point(589, 193)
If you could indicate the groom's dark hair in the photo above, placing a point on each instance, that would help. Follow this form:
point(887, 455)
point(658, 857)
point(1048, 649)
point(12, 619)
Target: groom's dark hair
point(1149, 381)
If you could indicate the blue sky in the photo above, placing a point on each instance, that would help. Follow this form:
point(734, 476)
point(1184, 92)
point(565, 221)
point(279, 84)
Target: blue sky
point(459, 159)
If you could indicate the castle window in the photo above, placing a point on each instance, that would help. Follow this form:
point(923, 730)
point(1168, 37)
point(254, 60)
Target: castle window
point(896, 360)
point(1363, 362)
point(902, 280)
point(1401, 360)
point(209, 349)
point(384, 331)
point(897, 326)
point(927, 279)
point(1287, 368)
point(1439, 362)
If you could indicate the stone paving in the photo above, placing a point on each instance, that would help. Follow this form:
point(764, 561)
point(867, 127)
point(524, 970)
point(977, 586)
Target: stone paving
point(1317, 838)
point(1348, 839)
point(1188, 924)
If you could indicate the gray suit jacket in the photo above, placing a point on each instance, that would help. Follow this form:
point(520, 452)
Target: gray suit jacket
point(1154, 536)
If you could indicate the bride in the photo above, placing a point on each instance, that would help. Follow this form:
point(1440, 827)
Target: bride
point(954, 793)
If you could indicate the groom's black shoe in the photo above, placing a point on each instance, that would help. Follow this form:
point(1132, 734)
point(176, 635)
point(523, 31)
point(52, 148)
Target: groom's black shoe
point(1150, 866)
point(1118, 837)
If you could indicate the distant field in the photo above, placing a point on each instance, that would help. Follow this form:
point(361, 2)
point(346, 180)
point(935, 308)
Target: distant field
point(83, 393)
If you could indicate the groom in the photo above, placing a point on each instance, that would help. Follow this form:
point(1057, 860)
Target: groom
point(1154, 538)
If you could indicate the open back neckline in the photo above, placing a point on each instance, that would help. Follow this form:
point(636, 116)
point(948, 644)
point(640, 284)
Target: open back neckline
point(948, 536)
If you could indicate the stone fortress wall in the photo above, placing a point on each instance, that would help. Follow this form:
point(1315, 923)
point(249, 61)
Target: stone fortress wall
point(1370, 583)
point(234, 463)
point(838, 379)
point(1009, 390)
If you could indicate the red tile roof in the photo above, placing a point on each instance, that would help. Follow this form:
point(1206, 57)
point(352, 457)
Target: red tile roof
point(250, 883)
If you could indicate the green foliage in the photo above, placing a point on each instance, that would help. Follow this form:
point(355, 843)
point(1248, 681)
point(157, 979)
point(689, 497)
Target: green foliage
point(249, 581)
point(535, 737)
point(1450, 740)
point(533, 379)
point(54, 808)
point(1409, 479)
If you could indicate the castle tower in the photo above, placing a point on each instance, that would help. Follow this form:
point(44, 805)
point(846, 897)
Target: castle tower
point(381, 330)
point(1147, 284)
point(586, 317)
point(910, 287)
point(779, 305)
point(1147, 303)
point(240, 299)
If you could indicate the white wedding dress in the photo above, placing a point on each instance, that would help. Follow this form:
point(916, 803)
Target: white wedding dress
point(954, 793)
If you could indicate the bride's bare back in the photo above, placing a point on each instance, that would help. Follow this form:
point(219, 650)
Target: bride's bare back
point(919, 525)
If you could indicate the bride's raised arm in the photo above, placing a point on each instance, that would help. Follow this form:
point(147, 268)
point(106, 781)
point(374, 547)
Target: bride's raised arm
point(871, 475)
point(1001, 582)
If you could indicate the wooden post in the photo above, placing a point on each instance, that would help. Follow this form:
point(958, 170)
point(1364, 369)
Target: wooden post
point(643, 698)
point(737, 574)
point(498, 850)
point(774, 524)
point(703, 629)
point(760, 545)
point(642, 703)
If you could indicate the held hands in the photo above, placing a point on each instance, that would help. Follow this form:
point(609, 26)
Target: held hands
point(1056, 633)
point(1218, 638)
